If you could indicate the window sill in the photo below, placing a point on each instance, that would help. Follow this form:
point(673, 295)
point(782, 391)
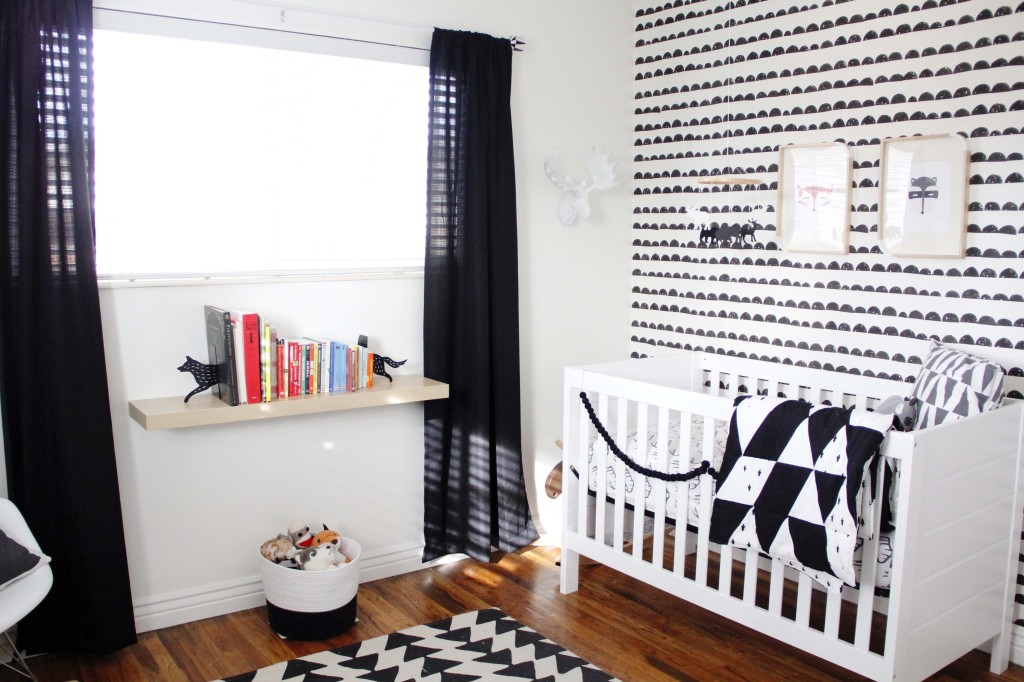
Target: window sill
point(205, 409)
point(171, 280)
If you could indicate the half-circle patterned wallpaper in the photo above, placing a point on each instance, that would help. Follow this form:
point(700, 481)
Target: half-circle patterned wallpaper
point(719, 86)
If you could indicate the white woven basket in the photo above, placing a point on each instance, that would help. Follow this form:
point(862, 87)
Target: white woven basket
point(313, 591)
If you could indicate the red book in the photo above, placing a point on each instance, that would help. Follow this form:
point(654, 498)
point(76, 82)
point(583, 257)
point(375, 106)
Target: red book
point(282, 368)
point(249, 362)
point(294, 368)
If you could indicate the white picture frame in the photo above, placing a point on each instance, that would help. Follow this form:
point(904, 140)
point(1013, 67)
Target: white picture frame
point(924, 195)
point(814, 198)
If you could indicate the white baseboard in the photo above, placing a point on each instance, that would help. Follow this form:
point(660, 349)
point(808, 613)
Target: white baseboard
point(1017, 646)
point(207, 601)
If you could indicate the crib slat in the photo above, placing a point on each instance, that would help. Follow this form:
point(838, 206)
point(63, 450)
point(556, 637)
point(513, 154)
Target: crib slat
point(833, 601)
point(584, 472)
point(683, 497)
point(869, 566)
point(639, 481)
point(750, 577)
point(620, 473)
point(725, 569)
point(803, 600)
point(775, 589)
point(704, 511)
point(659, 490)
point(601, 456)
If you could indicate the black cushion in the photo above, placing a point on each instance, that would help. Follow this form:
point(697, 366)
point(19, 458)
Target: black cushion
point(16, 561)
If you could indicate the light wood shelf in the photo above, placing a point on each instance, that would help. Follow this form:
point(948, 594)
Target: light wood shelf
point(206, 408)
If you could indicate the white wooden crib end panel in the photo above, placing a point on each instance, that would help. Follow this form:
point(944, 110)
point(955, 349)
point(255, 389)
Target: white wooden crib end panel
point(1001, 643)
point(953, 591)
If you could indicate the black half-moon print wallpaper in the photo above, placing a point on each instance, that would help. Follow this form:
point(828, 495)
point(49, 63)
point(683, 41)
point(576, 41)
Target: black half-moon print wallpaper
point(720, 86)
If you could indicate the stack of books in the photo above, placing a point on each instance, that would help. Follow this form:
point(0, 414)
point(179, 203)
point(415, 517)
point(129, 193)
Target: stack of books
point(255, 364)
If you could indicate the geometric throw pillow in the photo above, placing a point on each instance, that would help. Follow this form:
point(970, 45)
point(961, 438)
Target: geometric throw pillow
point(16, 561)
point(953, 384)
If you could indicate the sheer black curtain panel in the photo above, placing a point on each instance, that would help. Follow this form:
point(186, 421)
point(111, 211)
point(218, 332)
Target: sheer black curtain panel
point(58, 439)
point(474, 491)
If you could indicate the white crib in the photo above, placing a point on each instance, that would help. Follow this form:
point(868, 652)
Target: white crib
point(956, 540)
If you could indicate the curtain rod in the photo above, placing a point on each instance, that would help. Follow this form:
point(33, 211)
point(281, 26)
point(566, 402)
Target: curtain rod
point(514, 40)
point(264, 28)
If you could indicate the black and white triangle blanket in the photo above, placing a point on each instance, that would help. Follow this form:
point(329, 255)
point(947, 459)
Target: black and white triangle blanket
point(482, 645)
point(790, 482)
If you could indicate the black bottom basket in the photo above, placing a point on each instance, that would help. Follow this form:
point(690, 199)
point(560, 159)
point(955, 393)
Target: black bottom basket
point(312, 605)
point(311, 626)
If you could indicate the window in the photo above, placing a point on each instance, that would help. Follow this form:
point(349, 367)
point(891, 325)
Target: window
point(221, 158)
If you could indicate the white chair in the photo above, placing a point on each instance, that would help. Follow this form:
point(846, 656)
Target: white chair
point(24, 594)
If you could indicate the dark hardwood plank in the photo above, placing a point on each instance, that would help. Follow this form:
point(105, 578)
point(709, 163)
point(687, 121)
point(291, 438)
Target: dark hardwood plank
point(631, 630)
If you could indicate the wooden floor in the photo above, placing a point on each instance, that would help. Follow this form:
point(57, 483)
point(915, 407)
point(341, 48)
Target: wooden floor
point(630, 630)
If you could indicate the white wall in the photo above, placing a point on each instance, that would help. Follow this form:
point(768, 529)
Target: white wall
point(198, 502)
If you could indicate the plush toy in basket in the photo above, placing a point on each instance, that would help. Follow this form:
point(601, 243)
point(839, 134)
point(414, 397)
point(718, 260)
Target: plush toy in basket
point(309, 547)
point(310, 580)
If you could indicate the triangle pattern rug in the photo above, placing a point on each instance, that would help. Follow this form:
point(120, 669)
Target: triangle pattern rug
point(481, 645)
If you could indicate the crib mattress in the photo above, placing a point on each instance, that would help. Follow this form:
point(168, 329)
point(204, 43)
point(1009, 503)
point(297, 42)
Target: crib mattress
point(674, 491)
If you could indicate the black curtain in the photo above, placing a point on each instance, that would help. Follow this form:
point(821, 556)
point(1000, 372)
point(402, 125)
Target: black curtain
point(58, 440)
point(475, 495)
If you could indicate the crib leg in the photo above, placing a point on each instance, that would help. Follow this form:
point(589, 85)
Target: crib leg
point(570, 581)
point(1000, 660)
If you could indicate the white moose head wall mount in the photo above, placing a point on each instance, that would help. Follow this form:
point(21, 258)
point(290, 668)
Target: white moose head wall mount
point(574, 204)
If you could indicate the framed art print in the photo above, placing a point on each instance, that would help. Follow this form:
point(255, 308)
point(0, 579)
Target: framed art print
point(814, 198)
point(924, 196)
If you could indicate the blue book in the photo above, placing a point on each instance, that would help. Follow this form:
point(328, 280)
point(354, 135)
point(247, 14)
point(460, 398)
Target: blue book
point(339, 366)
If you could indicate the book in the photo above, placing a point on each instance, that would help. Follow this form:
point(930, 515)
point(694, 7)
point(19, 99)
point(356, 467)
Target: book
point(239, 362)
point(282, 367)
point(248, 360)
point(295, 368)
point(338, 366)
point(350, 362)
point(268, 362)
point(221, 349)
point(311, 364)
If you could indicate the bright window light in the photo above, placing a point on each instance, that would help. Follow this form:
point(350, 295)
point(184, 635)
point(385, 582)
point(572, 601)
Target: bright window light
point(216, 158)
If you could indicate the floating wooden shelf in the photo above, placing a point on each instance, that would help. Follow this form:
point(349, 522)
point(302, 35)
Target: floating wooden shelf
point(206, 408)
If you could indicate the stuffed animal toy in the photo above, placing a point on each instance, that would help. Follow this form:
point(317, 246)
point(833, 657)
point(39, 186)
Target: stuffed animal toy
point(278, 549)
point(301, 534)
point(904, 411)
point(316, 558)
point(330, 537)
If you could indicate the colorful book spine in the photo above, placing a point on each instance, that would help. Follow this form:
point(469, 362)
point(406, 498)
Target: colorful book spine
point(282, 367)
point(240, 374)
point(307, 368)
point(350, 375)
point(325, 366)
point(295, 368)
point(338, 366)
point(249, 359)
point(221, 348)
point(268, 362)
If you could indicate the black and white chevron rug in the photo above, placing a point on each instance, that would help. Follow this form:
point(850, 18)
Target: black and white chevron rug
point(481, 645)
